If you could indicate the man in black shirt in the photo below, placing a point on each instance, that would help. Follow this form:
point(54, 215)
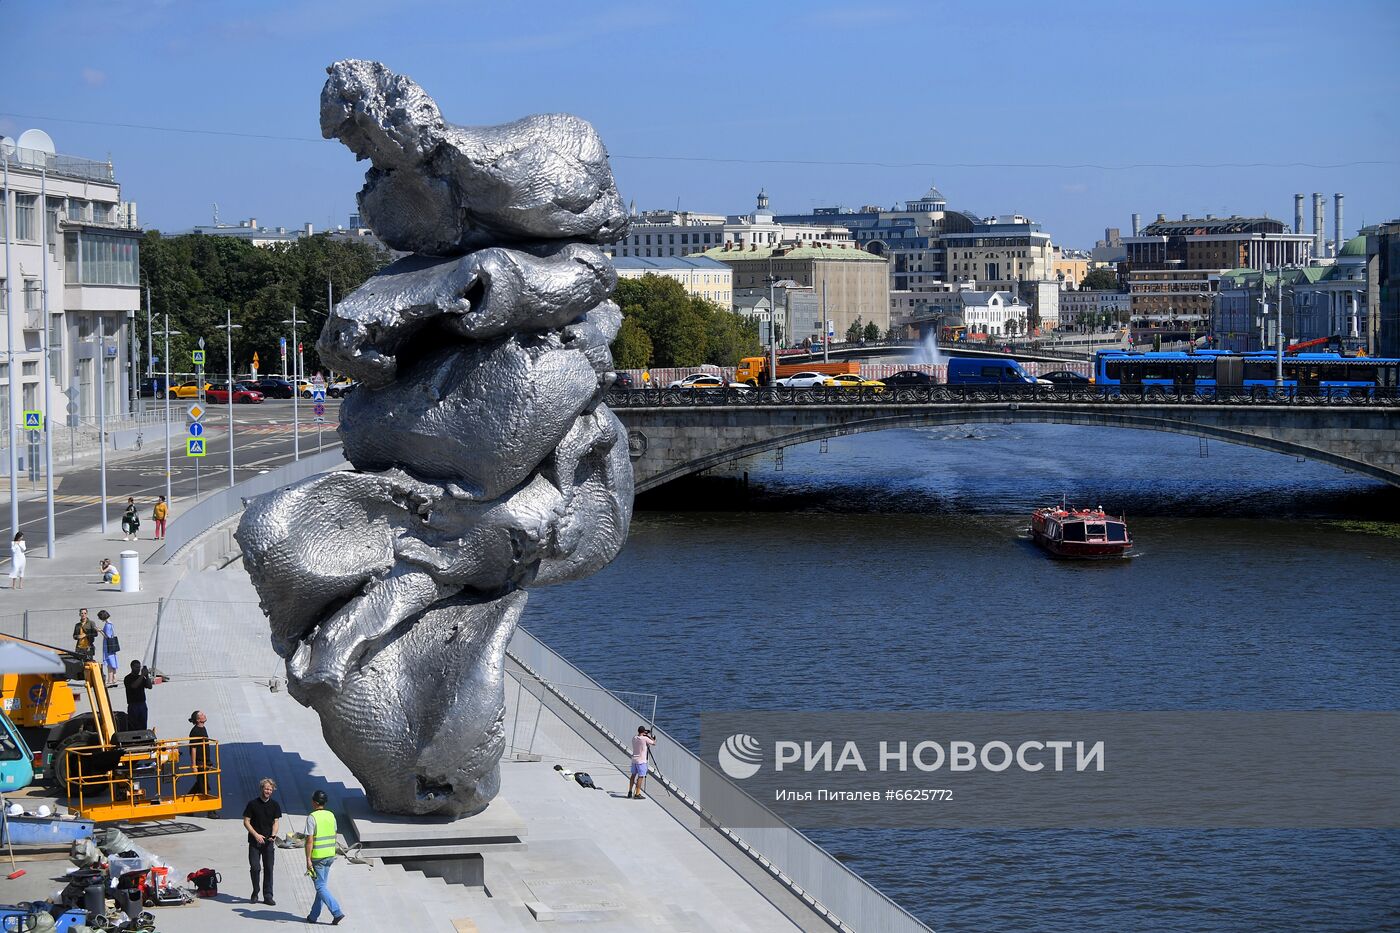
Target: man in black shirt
point(137, 683)
point(260, 819)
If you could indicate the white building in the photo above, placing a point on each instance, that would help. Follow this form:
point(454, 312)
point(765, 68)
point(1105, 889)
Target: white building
point(989, 312)
point(71, 269)
point(700, 276)
point(657, 234)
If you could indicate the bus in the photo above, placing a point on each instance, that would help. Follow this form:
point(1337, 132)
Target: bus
point(1206, 371)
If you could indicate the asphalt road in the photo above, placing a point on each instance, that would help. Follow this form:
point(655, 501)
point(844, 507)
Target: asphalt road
point(262, 440)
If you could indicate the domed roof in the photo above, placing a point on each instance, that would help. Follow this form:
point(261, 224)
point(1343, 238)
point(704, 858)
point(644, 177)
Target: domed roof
point(1356, 246)
point(933, 194)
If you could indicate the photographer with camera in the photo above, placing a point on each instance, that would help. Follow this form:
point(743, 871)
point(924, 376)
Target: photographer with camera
point(137, 683)
point(641, 747)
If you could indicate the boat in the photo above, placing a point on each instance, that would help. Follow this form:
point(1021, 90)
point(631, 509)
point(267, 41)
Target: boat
point(1080, 533)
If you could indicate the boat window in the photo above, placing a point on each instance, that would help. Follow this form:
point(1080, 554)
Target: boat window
point(1074, 531)
point(1094, 531)
point(1117, 531)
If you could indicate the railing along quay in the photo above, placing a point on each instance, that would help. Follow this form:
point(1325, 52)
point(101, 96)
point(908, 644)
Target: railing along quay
point(768, 396)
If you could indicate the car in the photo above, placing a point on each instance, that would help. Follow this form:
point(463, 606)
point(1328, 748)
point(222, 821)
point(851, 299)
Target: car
point(705, 381)
point(622, 379)
point(989, 371)
point(803, 380)
point(273, 387)
point(188, 389)
point(909, 377)
point(1067, 379)
point(243, 394)
point(852, 381)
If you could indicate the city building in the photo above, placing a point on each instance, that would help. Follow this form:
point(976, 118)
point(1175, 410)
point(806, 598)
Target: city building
point(996, 313)
point(851, 283)
point(1070, 266)
point(1383, 289)
point(1108, 252)
point(1172, 265)
point(682, 233)
point(754, 305)
point(249, 231)
point(698, 275)
point(1088, 310)
point(68, 233)
point(1320, 301)
point(799, 310)
point(1000, 253)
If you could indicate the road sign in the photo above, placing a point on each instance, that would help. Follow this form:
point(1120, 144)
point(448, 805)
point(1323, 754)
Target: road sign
point(196, 411)
point(196, 429)
point(198, 357)
point(318, 393)
point(34, 421)
point(194, 447)
point(319, 409)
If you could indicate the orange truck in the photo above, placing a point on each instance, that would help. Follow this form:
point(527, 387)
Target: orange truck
point(753, 369)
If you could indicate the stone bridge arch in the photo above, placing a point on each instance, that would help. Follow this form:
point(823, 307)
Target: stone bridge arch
point(668, 443)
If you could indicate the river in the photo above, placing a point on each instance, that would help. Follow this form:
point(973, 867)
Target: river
point(891, 572)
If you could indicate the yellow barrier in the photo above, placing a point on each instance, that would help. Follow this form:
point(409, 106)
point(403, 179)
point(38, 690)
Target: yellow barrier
point(142, 782)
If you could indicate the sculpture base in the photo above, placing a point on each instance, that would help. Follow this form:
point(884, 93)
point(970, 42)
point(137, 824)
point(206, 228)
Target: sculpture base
point(403, 838)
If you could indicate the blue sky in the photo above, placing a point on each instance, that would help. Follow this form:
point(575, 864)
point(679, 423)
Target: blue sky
point(974, 92)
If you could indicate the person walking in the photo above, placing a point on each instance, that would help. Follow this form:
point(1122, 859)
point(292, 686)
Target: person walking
point(110, 646)
point(260, 818)
point(84, 636)
point(17, 561)
point(158, 515)
point(320, 855)
point(641, 746)
point(131, 522)
point(136, 684)
point(199, 752)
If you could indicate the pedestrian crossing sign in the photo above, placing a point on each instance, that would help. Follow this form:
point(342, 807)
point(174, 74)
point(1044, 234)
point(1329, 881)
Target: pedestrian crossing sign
point(34, 421)
point(198, 357)
point(194, 447)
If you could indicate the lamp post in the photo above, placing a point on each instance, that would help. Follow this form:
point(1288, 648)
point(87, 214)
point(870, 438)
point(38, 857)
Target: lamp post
point(102, 420)
point(296, 389)
point(228, 327)
point(44, 343)
point(167, 333)
point(12, 369)
point(772, 328)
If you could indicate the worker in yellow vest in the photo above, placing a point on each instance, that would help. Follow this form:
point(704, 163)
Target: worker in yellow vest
point(320, 854)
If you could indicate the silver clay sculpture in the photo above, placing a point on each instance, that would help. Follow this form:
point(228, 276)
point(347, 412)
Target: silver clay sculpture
point(484, 460)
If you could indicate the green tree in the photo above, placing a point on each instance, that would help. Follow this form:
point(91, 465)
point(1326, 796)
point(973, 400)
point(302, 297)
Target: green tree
point(871, 332)
point(854, 331)
point(1100, 280)
point(894, 333)
point(632, 348)
point(731, 337)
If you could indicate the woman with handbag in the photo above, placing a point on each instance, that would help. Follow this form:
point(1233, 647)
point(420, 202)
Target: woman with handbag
point(131, 522)
point(110, 646)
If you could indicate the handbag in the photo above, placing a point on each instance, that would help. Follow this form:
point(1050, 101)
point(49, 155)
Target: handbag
point(112, 645)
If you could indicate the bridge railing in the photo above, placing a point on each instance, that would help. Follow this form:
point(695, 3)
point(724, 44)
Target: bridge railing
point(974, 394)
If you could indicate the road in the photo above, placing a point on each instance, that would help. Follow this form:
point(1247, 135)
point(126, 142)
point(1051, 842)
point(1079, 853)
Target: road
point(262, 440)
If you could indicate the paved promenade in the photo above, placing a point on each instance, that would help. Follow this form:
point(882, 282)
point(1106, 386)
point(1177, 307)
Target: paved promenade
point(589, 857)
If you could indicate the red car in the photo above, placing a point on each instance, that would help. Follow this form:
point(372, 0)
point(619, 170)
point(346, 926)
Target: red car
point(243, 394)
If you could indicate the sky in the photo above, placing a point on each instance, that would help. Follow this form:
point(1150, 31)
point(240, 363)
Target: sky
point(1075, 115)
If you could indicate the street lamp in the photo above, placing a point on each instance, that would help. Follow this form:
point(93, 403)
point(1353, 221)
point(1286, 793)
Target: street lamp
point(228, 327)
point(772, 328)
point(167, 333)
point(296, 389)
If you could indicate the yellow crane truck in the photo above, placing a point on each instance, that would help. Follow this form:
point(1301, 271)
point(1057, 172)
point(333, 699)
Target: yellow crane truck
point(107, 771)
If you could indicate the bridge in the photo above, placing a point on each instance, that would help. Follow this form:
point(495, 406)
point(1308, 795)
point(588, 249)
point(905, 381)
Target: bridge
point(676, 432)
point(1055, 353)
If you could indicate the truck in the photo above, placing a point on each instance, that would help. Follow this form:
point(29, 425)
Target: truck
point(753, 370)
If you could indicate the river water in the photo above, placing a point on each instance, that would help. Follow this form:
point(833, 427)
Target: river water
point(891, 572)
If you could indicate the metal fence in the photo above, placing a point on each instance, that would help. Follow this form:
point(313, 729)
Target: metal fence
point(847, 900)
point(767, 396)
point(219, 506)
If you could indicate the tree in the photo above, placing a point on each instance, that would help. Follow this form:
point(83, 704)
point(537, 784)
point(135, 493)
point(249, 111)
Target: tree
point(854, 332)
point(730, 337)
point(872, 331)
point(632, 348)
point(1100, 280)
point(894, 333)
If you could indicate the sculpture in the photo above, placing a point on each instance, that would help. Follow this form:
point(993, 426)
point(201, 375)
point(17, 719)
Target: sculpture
point(485, 459)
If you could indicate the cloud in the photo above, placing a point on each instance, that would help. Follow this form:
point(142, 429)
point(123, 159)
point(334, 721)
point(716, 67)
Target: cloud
point(94, 78)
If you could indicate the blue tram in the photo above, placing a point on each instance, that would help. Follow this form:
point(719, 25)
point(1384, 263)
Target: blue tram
point(1208, 371)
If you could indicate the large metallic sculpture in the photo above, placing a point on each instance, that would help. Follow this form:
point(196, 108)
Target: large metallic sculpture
point(485, 461)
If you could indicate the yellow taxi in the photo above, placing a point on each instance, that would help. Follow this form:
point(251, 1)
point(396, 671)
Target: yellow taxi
point(853, 381)
point(188, 389)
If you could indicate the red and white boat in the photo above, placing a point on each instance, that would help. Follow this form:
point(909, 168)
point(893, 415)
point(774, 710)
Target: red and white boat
point(1080, 533)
